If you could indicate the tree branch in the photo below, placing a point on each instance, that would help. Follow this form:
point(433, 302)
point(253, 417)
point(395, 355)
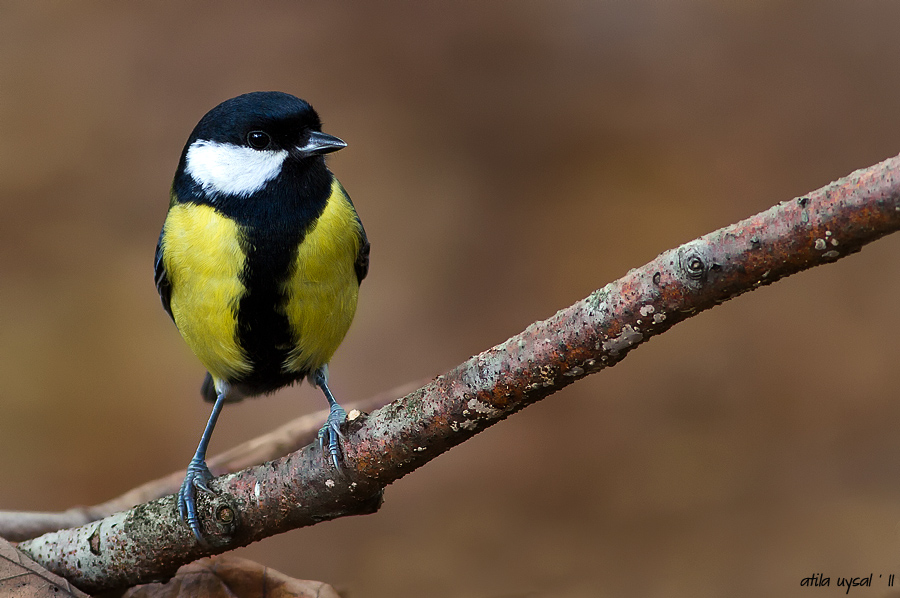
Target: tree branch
point(150, 542)
point(297, 433)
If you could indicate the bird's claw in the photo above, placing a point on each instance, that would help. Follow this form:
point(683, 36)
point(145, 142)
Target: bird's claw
point(330, 434)
point(198, 476)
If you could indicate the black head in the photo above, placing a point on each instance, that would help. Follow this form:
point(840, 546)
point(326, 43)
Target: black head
point(281, 115)
point(247, 141)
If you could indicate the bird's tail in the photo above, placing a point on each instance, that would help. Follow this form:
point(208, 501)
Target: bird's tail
point(209, 393)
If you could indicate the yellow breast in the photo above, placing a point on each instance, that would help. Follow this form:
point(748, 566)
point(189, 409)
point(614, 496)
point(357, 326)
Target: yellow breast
point(322, 290)
point(203, 260)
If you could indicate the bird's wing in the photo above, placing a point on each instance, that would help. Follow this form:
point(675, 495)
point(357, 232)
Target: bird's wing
point(163, 285)
point(361, 265)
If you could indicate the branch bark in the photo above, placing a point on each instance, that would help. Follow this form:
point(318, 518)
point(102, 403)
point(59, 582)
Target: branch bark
point(297, 433)
point(149, 542)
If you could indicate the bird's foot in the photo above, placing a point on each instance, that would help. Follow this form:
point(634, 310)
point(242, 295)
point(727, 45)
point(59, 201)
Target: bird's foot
point(330, 434)
point(198, 476)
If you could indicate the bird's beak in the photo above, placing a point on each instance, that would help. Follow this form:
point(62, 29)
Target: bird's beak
point(319, 143)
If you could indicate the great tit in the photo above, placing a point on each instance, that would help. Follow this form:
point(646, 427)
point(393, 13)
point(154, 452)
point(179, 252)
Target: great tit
point(259, 260)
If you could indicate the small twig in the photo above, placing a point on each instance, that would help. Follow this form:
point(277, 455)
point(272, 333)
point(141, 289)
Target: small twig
point(150, 542)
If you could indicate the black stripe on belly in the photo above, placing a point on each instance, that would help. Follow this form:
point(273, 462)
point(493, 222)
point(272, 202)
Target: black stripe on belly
point(274, 226)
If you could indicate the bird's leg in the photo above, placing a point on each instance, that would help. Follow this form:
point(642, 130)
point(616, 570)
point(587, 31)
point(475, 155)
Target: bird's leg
point(330, 433)
point(198, 475)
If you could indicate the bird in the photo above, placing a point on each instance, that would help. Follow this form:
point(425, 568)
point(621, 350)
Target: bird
point(259, 261)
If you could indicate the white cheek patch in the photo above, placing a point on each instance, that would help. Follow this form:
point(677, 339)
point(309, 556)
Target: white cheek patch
point(228, 169)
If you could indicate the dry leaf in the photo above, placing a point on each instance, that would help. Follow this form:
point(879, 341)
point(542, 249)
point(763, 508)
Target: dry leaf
point(20, 577)
point(229, 576)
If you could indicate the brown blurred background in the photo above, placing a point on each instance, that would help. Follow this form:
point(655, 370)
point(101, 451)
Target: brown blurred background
point(507, 159)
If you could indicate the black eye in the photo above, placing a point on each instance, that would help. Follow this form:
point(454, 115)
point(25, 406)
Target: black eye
point(258, 140)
